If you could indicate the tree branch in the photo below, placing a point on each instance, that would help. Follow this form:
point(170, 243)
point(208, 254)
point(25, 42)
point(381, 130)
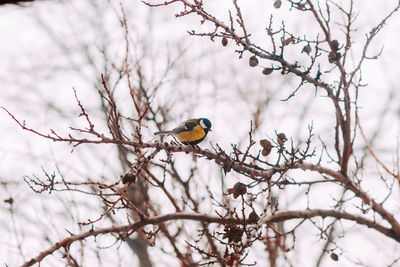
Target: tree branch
point(130, 229)
point(307, 214)
point(277, 217)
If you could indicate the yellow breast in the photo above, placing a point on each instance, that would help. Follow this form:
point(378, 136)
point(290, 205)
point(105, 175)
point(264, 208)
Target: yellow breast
point(187, 137)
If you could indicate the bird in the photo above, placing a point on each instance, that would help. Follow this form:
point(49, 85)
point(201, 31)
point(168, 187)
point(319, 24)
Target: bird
point(190, 132)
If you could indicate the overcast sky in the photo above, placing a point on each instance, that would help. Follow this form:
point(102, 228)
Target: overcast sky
point(41, 60)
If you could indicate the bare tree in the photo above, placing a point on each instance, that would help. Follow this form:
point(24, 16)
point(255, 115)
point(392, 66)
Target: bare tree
point(203, 223)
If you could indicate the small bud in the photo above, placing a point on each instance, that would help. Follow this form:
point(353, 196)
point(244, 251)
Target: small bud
point(307, 49)
point(281, 139)
point(334, 256)
point(288, 41)
point(277, 4)
point(224, 41)
point(253, 61)
point(267, 71)
point(9, 200)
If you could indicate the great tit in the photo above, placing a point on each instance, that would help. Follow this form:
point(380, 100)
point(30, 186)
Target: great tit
point(190, 132)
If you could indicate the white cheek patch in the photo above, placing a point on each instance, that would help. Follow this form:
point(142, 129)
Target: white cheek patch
point(202, 124)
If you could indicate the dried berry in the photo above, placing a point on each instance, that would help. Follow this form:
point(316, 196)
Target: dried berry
point(268, 147)
point(233, 233)
point(224, 41)
point(334, 256)
point(307, 49)
point(288, 41)
point(238, 189)
point(253, 61)
point(228, 166)
point(281, 139)
point(335, 45)
point(267, 71)
point(334, 56)
point(265, 152)
point(128, 178)
point(266, 144)
point(253, 217)
point(277, 4)
point(263, 142)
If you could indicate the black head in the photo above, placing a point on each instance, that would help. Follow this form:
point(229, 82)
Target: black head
point(205, 124)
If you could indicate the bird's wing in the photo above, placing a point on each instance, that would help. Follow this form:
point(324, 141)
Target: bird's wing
point(185, 126)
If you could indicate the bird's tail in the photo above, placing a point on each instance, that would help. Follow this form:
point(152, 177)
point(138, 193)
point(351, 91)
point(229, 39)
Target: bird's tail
point(163, 132)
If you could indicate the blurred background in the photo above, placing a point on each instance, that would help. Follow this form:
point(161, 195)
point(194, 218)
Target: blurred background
point(47, 48)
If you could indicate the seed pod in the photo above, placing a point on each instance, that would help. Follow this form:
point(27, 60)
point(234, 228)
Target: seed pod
point(224, 41)
point(253, 61)
point(267, 71)
point(277, 4)
point(281, 139)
